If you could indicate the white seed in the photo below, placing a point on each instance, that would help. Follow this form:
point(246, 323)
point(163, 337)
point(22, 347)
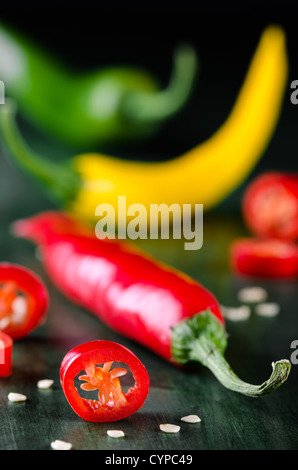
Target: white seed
point(267, 309)
point(16, 397)
point(45, 383)
point(4, 322)
point(169, 428)
point(19, 309)
point(61, 445)
point(115, 433)
point(252, 294)
point(236, 313)
point(191, 419)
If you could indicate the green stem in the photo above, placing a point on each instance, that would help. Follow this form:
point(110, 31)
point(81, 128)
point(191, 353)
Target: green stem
point(59, 179)
point(202, 338)
point(160, 105)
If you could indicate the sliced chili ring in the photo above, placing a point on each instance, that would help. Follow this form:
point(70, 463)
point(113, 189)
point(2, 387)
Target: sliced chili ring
point(270, 205)
point(23, 300)
point(92, 363)
point(265, 258)
point(6, 345)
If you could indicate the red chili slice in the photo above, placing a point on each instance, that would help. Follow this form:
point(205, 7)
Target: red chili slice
point(6, 344)
point(92, 363)
point(23, 300)
point(270, 205)
point(269, 258)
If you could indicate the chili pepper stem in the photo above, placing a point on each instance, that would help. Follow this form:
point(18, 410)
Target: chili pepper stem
point(148, 106)
point(60, 180)
point(202, 338)
point(223, 372)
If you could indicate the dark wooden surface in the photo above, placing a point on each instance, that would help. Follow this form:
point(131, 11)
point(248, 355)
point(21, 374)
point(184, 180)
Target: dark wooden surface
point(229, 420)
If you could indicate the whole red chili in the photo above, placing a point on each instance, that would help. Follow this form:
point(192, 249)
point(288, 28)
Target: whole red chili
point(270, 205)
point(139, 297)
point(92, 364)
point(23, 300)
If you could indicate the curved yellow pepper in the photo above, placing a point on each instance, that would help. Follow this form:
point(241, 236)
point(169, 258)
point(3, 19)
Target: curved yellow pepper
point(207, 173)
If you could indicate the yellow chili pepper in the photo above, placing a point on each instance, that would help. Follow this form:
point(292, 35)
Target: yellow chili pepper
point(204, 175)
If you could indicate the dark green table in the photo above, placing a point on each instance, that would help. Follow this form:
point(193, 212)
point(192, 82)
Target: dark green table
point(229, 420)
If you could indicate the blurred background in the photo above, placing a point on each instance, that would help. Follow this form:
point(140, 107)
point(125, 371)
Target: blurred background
point(225, 41)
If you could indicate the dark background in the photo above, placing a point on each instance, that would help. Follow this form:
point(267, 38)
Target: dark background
point(225, 40)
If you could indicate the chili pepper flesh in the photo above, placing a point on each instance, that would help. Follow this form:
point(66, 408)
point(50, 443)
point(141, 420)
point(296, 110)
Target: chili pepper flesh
point(106, 382)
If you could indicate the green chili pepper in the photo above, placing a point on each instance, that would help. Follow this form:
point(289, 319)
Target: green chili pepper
point(105, 106)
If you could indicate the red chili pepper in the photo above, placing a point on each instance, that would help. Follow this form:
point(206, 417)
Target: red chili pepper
point(265, 258)
point(139, 297)
point(23, 300)
point(6, 345)
point(92, 363)
point(270, 205)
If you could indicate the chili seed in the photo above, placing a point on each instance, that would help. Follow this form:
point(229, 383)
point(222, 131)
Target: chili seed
point(16, 397)
point(191, 419)
point(19, 308)
point(61, 445)
point(252, 294)
point(45, 383)
point(4, 322)
point(115, 433)
point(236, 313)
point(169, 428)
point(267, 309)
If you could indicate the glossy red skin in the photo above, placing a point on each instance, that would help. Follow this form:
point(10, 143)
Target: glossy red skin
point(277, 218)
point(30, 283)
point(6, 345)
point(98, 352)
point(131, 292)
point(251, 257)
